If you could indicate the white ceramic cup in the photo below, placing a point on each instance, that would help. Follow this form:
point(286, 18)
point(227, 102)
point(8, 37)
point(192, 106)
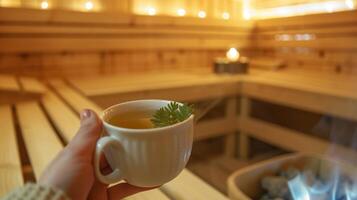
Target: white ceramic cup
point(143, 157)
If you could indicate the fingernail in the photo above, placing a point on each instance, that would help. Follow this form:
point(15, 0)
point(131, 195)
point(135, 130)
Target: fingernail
point(85, 114)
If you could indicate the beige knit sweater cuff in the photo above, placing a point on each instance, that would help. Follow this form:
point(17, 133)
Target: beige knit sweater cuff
point(38, 192)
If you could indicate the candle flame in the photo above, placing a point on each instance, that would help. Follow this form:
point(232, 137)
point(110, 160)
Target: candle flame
point(232, 54)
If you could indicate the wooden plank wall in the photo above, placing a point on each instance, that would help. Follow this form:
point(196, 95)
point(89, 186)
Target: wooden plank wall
point(212, 8)
point(68, 43)
point(314, 42)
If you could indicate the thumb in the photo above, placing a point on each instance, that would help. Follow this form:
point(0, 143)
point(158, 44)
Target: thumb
point(84, 142)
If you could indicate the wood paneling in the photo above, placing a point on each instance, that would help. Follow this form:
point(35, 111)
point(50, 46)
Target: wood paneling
point(67, 43)
point(325, 42)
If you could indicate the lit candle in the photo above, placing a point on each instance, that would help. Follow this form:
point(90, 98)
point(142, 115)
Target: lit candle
point(232, 55)
point(44, 5)
point(89, 5)
point(181, 12)
point(201, 14)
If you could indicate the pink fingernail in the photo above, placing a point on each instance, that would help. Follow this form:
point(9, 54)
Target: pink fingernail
point(85, 114)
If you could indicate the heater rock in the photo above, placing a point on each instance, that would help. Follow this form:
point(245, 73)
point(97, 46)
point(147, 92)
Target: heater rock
point(276, 186)
point(327, 171)
point(309, 177)
point(267, 197)
point(313, 165)
point(290, 173)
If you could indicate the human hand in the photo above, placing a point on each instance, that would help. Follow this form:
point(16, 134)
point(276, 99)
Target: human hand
point(72, 170)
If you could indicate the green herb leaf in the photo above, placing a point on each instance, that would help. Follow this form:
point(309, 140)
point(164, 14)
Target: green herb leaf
point(172, 113)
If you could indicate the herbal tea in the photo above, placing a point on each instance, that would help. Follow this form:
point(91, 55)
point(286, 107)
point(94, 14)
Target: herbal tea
point(138, 122)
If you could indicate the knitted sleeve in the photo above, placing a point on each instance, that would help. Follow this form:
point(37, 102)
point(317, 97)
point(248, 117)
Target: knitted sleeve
point(36, 192)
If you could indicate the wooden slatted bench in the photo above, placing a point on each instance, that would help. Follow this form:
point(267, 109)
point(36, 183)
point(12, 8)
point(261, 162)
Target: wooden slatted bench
point(322, 93)
point(185, 186)
point(14, 89)
point(45, 126)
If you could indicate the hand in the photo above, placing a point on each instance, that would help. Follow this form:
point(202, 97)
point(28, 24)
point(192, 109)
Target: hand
point(72, 170)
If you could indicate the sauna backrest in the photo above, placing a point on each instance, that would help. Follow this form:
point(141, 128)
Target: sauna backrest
point(324, 42)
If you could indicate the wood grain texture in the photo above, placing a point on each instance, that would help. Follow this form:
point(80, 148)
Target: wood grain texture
point(320, 42)
point(65, 120)
point(155, 194)
point(244, 142)
point(67, 43)
point(32, 85)
point(289, 139)
point(76, 100)
point(231, 115)
point(10, 165)
point(179, 189)
point(42, 143)
point(9, 83)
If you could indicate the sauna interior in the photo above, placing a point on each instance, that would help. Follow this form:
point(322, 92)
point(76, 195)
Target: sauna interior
point(273, 83)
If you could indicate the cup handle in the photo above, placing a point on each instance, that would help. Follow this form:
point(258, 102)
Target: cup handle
point(102, 144)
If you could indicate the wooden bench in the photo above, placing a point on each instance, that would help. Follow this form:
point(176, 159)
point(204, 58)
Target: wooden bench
point(185, 186)
point(14, 89)
point(47, 125)
point(314, 92)
point(322, 93)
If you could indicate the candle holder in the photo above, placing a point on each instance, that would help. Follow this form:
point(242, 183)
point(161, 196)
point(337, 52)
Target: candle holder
point(225, 66)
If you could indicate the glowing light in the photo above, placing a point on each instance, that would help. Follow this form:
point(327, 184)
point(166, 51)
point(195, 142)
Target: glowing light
point(201, 14)
point(283, 37)
point(246, 15)
point(329, 7)
point(181, 12)
point(246, 10)
point(350, 4)
point(301, 37)
point(303, 9)
point(151, 11)
point(89, 5)
point(225, 15)
point(44, 5)
point(232, 54)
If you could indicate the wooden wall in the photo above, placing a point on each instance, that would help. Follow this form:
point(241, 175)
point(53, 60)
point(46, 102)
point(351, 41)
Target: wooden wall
point(315, 42)
point(212, 8)
point(57, 42)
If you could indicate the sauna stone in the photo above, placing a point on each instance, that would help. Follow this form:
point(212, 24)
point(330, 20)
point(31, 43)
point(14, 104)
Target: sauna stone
point(276, 187)
point(290, 173)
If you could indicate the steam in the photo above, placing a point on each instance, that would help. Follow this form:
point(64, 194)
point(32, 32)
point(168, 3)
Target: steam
point(338, 185)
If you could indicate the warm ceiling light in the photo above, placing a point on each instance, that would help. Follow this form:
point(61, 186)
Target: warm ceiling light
point(225, 15)
point(181, 12)
point(201, 14)
point(350, 4)
point(44, 5)
point(151, 11)
point(329, 8)
point(246, 14)
point(89, 5)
